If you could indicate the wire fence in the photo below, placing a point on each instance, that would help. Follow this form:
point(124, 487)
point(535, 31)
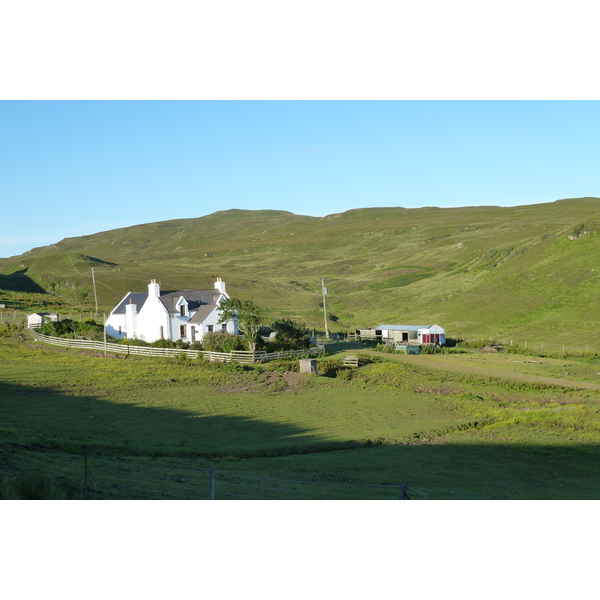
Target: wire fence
point(12, 315)
point(112, 478)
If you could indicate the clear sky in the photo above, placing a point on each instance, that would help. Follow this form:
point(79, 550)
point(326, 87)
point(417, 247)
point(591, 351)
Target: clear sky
point(71, 168)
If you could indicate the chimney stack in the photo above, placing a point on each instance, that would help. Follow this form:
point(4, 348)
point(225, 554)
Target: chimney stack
point(220, 285)
point(154, 289)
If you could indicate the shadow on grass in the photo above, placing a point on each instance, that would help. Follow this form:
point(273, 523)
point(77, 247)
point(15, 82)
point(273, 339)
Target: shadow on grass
point(70, 426)
point(20, 282)
point(46, 418)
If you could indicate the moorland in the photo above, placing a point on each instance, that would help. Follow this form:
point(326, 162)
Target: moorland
point(520, 423)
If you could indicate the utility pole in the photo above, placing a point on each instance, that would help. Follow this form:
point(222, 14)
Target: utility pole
point(325, 308)
point(95, 295)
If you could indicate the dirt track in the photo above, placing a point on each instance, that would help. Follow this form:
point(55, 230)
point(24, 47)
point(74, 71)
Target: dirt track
point(487, 365)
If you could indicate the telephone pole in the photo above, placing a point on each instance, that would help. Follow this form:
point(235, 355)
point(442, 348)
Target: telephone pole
point(324, 307)
point(95, 295)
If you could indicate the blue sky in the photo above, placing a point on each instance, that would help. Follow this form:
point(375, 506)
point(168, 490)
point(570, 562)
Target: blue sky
point(71, 168)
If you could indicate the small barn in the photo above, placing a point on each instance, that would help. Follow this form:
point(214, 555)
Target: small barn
point(416, 334)
point(367, 333)
point(36, 320)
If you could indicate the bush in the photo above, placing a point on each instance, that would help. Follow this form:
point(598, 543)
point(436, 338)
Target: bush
point(35, 486)
point(285, 365)
point(133, 342)
point(222, 341)
point(235, 367)
point(163, 344)
point(290, 335)
point(387, 348)
point(428, 349)
point(67, 328)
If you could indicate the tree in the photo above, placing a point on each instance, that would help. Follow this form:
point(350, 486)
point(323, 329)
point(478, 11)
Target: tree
point(248, 315)
point(291, 334)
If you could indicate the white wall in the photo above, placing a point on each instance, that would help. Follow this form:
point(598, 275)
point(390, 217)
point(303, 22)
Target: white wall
point(214, 319)
point(112, 326)
point(150, 319)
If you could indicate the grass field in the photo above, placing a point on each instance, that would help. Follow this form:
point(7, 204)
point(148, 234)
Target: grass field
point(452, 425)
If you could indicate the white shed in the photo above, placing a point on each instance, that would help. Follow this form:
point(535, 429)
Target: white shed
point(420, 334)
point(36, 320)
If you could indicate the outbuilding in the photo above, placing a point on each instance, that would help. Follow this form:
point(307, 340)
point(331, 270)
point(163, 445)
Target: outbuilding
point(418, 334)
point(36, 320)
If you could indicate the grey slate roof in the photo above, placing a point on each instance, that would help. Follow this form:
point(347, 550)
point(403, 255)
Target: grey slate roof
point(194, 298)
point(138, 298)
point(202, 313)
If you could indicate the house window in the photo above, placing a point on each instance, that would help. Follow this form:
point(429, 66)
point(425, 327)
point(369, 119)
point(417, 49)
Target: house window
point(209, 328)
point(182, 331)
point(182, 310)
point(224, 327)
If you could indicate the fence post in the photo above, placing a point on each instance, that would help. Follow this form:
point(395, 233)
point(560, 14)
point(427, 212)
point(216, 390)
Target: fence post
point(211, 495)
point(403, 495)
point(85, 470)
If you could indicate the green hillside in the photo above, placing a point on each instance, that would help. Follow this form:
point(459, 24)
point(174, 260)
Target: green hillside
point(528, 272)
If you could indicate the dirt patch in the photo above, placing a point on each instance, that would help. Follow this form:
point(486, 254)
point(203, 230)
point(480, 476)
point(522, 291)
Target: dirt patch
point(295, 381)
point(274, 382)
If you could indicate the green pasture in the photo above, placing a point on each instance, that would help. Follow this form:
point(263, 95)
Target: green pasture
point(467, 424)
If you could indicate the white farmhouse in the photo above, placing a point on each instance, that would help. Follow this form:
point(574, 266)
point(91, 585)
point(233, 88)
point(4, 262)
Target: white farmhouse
point(182, 315)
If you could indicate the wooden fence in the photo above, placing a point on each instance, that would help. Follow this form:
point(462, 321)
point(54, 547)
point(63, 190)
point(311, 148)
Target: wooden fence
point(240, 356)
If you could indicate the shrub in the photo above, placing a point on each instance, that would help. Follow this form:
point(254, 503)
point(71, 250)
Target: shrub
point(133, 342)
point(234, 367)
point(68, 328)
point(222, 341)
point(291, 335)
point(428, 349)
point(35, 486)
point(285, 365)
point(387, 348)
point(163, 344)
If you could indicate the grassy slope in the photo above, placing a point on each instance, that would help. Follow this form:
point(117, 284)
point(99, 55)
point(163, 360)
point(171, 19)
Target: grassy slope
point(477, 271)
point(501, 435)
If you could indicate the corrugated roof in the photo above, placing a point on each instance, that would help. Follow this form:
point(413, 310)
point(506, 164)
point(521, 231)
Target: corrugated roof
point(403, 327)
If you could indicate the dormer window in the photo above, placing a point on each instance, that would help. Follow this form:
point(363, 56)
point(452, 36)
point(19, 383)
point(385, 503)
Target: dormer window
point(182, 305)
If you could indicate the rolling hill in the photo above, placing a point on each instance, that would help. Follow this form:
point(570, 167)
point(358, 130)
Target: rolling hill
point(526, 272)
